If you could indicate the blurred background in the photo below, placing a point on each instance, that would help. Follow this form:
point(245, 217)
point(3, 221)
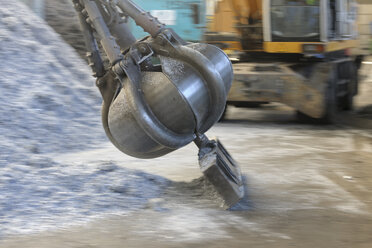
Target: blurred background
point(298, 119)
point(266, 40)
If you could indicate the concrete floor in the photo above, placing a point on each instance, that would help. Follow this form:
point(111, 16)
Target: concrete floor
point(307, 186)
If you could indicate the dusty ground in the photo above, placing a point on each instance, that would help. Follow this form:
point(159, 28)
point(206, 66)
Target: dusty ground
point(307, 186)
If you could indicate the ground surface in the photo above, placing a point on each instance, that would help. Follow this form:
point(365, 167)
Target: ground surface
point(307, 186)
point(63, 185)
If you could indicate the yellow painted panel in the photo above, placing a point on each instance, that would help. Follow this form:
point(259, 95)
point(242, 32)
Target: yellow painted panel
point(283, 47)
point(296, 47)
point(224, 18)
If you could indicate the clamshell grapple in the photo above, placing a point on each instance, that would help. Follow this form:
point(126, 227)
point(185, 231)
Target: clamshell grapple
point(159, 93)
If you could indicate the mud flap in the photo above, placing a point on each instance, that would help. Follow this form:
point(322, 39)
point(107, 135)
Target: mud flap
point(222, 172)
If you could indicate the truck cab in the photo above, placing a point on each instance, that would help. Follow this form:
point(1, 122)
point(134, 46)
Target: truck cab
point(296, 52)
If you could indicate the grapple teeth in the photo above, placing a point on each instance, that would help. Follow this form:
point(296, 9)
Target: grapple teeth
point(223, 173)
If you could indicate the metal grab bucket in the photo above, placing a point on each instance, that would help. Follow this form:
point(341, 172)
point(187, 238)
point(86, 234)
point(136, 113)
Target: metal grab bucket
point(180, 99)
point(159, 93)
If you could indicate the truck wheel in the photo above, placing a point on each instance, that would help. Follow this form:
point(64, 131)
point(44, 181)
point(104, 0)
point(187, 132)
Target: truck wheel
point(331, 103)
point(304, 118)
point(347, 100)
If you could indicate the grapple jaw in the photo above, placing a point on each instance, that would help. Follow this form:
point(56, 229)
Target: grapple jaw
point(221, 170)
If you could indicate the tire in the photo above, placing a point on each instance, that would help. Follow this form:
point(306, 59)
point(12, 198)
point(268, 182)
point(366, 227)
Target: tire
point(304, 118)
point(347, 101)
point(331, 102)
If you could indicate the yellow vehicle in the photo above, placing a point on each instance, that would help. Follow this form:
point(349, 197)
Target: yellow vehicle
point(297, 52)
point(365, 27)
